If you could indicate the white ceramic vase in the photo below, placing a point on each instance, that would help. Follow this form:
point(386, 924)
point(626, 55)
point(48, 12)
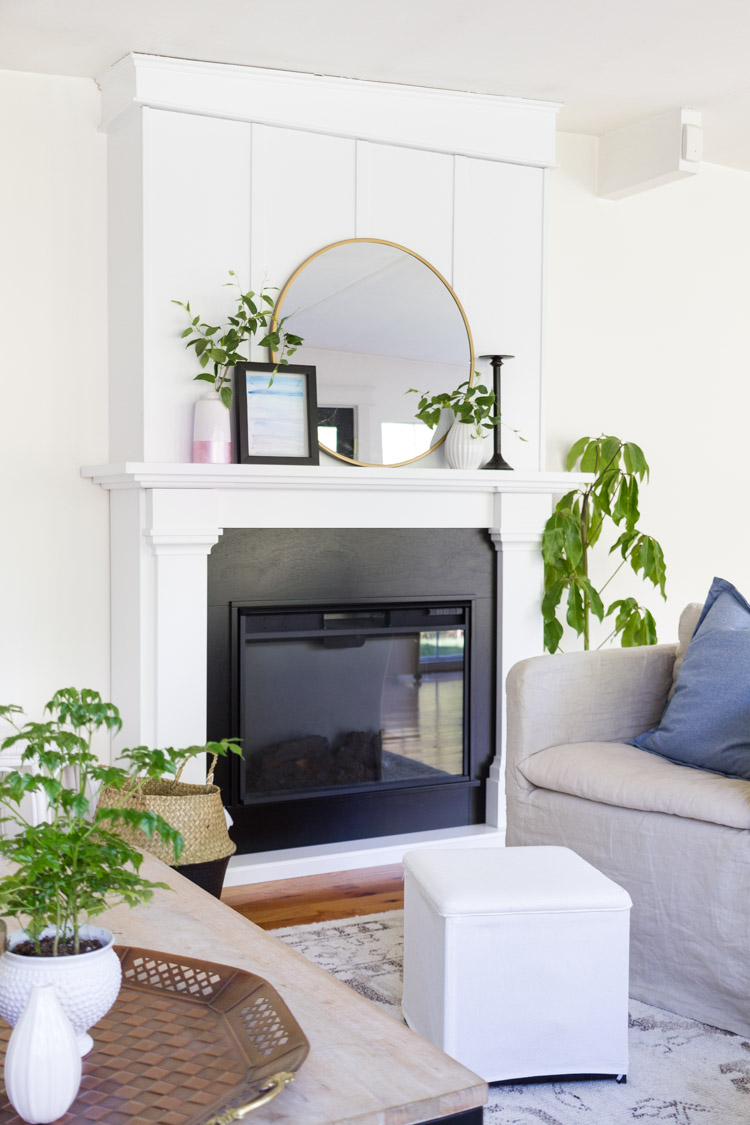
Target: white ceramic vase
point(42, 1062)
point(86, 984)
point(212, 431)
point(464, 450)
point(446, 420)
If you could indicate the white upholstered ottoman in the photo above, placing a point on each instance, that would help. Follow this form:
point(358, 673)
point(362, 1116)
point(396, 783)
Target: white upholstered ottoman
point(516, 961)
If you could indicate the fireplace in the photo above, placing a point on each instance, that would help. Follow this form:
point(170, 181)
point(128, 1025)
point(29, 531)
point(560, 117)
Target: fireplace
point(187, 540)
point(360, 716)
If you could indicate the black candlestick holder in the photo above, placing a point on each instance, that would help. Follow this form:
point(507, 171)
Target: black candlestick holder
point(496, 361)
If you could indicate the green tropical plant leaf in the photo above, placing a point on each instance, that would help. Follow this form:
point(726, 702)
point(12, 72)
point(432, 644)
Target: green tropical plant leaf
point(576, 451)
point(576, 615)
point(553, 632)
point(591, 456)
point(610, 448)
point(552, 598)
point(592, 594)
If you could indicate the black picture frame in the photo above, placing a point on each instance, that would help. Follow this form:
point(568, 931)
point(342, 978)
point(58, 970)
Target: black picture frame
point(254, 405)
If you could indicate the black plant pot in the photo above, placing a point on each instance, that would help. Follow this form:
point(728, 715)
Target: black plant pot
point(208, 875)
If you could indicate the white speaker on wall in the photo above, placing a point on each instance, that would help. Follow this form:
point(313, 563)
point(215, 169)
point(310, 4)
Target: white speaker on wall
point(649, 153)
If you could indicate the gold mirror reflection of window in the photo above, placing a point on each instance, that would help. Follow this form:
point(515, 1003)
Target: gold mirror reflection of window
point(377, 319)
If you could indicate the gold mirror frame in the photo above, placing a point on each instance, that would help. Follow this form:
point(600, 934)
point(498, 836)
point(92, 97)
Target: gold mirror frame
point(382, 242)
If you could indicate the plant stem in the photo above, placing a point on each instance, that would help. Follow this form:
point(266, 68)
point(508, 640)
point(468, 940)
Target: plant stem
point(617, 569)
point(585, 565)
point(607, 638)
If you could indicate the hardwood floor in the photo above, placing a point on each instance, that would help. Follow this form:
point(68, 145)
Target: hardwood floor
point(318, 898)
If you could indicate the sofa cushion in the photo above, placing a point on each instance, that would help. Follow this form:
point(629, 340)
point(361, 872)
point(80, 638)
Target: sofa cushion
point(615, 773)
point(706, 723)
point(688, 620)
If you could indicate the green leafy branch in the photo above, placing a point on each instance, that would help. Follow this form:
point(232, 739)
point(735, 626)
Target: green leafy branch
point(575, 527)
point(217, 349)
point(149, 764)
point(470, 403)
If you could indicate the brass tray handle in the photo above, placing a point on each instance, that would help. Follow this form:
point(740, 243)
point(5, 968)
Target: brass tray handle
point(271, 1090)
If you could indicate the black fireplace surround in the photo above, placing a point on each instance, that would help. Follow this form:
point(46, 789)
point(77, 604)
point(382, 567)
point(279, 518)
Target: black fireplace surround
point(358, 668)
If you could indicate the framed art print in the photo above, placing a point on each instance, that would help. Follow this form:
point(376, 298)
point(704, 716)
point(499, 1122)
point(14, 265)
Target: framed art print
point(277, 413)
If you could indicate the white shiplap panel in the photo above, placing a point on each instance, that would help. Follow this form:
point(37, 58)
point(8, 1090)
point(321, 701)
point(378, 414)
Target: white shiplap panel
point(196, 201)
point(406, 196)
point(302, 199)
point(498, 277)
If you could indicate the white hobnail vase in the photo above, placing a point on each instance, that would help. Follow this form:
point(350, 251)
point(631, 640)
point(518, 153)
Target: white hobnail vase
point(42, 1062)
point(86, 984)
point(464, 450)
point(212, 431)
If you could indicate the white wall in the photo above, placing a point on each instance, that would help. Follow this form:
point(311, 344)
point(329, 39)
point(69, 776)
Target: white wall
point(647, 307)
point(54, 583)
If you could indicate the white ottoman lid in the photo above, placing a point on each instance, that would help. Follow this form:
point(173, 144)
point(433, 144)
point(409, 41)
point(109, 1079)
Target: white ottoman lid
point(520, 880)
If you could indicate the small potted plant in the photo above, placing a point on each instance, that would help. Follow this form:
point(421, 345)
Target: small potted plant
point(472, 406)
point(76, 863)
point(194, 810)
point(217, 350)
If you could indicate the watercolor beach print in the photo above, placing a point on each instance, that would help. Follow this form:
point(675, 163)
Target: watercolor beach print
point(276, 416)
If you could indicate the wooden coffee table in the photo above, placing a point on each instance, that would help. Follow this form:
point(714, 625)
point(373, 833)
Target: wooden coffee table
point(364, 1067)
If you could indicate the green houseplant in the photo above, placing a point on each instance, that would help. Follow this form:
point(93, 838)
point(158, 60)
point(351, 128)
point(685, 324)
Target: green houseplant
point(195, 810)
point(75, 863)
point(72, 866)
point(218, 348)
point(575, 527)
point(472, 407)
point(471, 404)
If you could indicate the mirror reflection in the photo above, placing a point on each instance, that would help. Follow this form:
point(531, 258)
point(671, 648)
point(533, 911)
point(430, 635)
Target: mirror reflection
point(376, 320)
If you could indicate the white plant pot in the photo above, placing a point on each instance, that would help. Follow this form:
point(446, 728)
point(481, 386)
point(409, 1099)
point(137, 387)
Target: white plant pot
point(42, 1062)
point(212, 431)
point(446, 420)
point(86, 985)
point(464, 450)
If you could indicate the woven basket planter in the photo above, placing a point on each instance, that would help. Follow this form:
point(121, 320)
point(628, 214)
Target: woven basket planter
point(195, 811)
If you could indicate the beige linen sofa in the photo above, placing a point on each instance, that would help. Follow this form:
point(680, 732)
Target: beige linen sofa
point(676, 838)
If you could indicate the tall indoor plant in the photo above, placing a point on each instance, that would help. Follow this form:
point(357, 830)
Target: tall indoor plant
point(575, 528)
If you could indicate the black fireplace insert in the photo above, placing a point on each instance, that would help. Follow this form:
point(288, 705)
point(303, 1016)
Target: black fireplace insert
point(359, 718)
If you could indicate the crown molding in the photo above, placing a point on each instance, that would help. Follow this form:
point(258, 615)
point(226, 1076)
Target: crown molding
point(513, 130)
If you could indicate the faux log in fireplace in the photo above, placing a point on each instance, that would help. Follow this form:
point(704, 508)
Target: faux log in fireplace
point(359, 717)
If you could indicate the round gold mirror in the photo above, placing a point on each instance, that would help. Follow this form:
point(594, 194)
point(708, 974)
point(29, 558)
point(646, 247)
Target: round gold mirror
point(376, 320)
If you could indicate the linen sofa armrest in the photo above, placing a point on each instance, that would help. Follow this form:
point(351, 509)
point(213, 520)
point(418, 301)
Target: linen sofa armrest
point(607, 696)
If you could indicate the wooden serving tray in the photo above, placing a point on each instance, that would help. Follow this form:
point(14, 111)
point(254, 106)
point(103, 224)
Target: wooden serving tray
point(185, 1041)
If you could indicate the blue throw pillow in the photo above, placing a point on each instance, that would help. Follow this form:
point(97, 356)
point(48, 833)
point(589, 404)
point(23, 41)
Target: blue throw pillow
point(707, 721)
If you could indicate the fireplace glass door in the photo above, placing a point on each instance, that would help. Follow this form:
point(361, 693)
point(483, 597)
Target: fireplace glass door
point(340, 697)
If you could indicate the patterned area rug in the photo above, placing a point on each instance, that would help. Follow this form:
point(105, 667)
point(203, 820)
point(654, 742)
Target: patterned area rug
point(681, 1071)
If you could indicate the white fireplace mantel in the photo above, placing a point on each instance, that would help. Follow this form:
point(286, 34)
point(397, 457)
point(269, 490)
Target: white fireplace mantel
point(165, 518)
point(330, 478)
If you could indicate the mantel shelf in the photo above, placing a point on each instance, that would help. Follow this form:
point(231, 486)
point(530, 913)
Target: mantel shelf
point(329, 479)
